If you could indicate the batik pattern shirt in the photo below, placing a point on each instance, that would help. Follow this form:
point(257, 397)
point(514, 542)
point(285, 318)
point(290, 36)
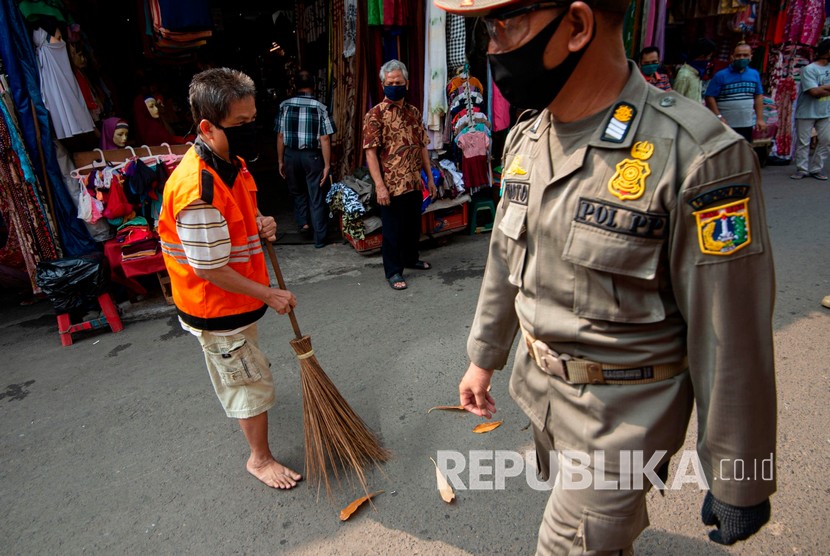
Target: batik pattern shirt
point(398, 134)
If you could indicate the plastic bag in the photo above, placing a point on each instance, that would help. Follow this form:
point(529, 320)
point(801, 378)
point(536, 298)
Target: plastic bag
point(72, 283)
point(85, 205)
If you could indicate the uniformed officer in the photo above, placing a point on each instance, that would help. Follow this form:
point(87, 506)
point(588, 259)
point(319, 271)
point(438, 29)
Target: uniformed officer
point(631, 250)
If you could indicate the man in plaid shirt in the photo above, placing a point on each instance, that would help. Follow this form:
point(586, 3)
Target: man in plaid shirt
point(304, 132)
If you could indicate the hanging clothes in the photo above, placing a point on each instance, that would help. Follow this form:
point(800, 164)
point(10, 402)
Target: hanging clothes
point(61, 93)
point(456, 42)
point(435, 72)
point(805, 21)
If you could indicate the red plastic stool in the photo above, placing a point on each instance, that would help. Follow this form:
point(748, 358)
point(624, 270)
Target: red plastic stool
point(66, 328)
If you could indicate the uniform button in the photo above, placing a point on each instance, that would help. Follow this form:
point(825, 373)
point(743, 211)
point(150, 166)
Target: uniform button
point(666, 102)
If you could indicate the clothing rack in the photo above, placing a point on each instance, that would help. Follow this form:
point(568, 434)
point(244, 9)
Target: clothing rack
point(84, 159)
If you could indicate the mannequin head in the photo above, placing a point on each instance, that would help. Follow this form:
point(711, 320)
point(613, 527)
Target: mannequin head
point(114, 133)
point(152, 106)
point(119, 136)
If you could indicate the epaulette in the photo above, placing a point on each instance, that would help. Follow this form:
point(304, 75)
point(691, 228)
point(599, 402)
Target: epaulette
point(703, 127)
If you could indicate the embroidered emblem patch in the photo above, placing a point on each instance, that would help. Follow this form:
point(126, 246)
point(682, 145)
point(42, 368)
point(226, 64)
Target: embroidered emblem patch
point(642, 150)
point(620, 122)
point(724, 229)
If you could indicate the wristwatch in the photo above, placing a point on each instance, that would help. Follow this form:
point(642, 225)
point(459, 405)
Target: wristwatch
point(720, 116)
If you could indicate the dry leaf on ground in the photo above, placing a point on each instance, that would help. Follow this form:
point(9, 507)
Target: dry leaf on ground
point(487, 427)
point(347, 512)
point(447, 408)
point(444, 488)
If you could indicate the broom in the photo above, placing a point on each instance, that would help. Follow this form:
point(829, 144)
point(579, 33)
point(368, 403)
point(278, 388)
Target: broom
point(334, 433)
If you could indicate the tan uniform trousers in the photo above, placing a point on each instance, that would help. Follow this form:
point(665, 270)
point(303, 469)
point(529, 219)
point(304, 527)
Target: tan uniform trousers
point(612, 419)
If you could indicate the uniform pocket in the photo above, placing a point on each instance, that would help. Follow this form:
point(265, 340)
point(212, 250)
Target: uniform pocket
point(603, 533)
point(235, 361)
point(615, 275)
point(514, 226)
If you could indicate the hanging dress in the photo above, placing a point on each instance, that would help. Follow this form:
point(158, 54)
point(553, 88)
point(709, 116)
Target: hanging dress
point(61, 93)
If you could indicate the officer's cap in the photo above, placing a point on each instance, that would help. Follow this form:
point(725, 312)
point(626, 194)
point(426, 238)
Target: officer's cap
point(483, 7)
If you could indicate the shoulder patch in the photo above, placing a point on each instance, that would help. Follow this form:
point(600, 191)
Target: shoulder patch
point(619, 123)
point(724, 229)
point(206, 186)
point(720, 194)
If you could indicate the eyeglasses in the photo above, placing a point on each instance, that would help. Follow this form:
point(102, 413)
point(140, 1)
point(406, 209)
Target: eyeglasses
point(507, 29)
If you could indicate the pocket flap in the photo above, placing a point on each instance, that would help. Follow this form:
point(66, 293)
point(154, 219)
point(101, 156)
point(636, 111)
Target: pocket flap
point(513, 224)
point(610, 533)
point(614, 253)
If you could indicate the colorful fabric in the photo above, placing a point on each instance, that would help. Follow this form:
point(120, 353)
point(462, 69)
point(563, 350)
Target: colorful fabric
point(343, 199)
point(398, 135)
point(435, 71)
point(302, 120)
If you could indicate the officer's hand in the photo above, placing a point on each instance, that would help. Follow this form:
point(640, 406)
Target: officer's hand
point(267, 227)
point(282, 301)
point(473, 391)
point(383, 196)
point(733, 523)
point(326, 170)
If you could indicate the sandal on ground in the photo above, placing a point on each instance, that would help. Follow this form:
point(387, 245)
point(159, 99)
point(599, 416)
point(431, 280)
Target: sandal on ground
point(395, 282)
point(421, 265)
point(819, 176)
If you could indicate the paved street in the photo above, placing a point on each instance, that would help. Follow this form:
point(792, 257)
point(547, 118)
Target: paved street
point(117, 444)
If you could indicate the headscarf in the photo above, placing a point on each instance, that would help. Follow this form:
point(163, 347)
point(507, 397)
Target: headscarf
point(108, 130)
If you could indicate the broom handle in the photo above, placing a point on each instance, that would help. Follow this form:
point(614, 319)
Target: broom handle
point(294, 324)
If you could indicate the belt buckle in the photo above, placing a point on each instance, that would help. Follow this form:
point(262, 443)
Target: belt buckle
point(549, 361)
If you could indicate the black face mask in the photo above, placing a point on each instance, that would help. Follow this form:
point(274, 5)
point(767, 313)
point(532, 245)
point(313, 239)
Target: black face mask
point(242, 141)
point(521, 76)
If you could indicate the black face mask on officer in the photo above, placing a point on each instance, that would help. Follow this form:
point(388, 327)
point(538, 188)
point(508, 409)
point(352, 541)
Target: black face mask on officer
point(242, 141)
point(520, 73)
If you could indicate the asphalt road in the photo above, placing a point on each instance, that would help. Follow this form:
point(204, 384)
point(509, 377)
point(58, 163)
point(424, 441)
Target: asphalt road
point(117, 445)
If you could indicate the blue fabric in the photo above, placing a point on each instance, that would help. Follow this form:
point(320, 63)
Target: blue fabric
point(185, 15)
point(18, 56)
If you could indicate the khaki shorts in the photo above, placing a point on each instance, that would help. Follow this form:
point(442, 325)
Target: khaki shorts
point(240, 373)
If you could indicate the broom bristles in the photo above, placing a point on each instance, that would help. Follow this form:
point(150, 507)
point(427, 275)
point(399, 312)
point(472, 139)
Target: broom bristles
point(335, 436)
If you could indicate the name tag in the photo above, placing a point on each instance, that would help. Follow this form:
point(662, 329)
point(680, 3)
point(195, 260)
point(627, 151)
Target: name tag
point(517, 192)
point(621, 220)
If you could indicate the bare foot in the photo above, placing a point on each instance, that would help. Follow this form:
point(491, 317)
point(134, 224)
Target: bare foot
point(273, 474)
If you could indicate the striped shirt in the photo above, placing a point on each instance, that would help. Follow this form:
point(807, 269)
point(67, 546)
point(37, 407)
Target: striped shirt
point(302, 120)
point(734, 93)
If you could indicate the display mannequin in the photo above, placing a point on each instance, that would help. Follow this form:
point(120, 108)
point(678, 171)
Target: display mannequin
point(114, 133)
point(150, 128)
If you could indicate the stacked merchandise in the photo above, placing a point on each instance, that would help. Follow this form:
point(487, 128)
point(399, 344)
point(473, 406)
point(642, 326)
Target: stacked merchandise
point(176, 28)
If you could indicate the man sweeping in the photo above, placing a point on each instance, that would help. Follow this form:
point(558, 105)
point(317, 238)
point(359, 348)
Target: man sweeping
point(210, 230)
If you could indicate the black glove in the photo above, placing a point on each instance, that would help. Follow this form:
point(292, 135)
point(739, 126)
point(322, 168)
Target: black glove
point(733, 523)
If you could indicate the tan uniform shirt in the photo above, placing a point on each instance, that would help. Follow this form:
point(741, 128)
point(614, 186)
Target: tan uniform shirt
point(646, 245)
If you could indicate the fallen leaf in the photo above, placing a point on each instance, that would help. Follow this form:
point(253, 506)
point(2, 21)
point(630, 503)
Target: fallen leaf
point(487, 427)
point(347, 512)
point(447, 408)
point(444, 488)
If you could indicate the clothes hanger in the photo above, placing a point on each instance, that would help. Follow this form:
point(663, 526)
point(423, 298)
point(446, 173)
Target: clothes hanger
point(94, 165)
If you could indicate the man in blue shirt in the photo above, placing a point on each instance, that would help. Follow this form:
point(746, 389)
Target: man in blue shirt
point(736, 96)
point(304, 132)
point(813, 111)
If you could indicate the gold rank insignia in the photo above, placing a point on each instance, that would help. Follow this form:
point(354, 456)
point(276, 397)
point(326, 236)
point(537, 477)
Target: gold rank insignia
point(515, 168)
point(629, 182)
point(724, 229)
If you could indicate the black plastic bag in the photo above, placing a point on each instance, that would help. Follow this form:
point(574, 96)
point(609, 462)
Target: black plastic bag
point(73, 283)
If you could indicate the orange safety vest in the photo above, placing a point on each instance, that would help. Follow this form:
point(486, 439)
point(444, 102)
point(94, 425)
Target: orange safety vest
point(200, 303)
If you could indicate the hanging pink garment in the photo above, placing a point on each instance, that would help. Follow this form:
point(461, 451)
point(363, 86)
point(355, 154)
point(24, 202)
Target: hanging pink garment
point(805, 19)
point(660, 26)
point(648, 36)
point(784, 97)
point(501, 110)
